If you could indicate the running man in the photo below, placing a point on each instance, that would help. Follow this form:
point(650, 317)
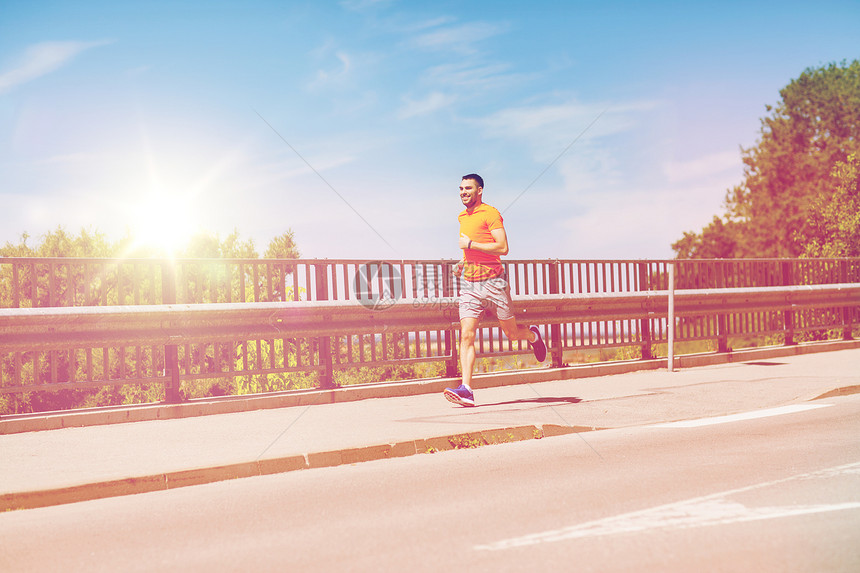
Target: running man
point(484, 285)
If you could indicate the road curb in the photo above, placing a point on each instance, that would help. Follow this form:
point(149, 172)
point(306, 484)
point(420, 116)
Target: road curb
point(234, 404)
point(347, 456)
point(842, 391)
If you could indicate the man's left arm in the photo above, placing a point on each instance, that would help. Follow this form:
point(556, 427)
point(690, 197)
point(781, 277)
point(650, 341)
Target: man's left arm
point(498, 247)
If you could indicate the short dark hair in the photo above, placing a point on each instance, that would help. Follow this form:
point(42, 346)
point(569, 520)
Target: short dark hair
point(476, 178)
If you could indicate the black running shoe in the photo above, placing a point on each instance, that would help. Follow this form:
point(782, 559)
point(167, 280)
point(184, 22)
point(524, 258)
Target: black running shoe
point(538, 347)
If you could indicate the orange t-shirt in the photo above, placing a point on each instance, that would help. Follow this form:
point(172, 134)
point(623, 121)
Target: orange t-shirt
point(480, 266)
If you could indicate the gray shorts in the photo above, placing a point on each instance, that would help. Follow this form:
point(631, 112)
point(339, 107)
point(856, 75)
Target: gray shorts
point(493, 295)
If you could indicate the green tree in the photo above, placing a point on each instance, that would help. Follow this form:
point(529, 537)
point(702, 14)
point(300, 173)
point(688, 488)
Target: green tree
point(210, 246)
point(716, 241)
point(22, 249)
point(60, 243)
point(283, 247)
point(814, 126)
point(73, 279)
point(833, 229)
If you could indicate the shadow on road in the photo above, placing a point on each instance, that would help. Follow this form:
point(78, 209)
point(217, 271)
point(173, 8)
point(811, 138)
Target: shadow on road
point(538, 400)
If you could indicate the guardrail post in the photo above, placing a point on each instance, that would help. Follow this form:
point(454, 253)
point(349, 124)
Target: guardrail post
point(847, 311)
point(556, 344)
point(171, 351)
point(670, 321)
point(788, 315)
point(645, 323)
point(452, 363)
point(722, 320)
point(324, 342)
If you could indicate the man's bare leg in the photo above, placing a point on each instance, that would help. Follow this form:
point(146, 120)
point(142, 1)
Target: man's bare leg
point(463, 395)
point(468, 328)
point(515, 331)
point(530, 334)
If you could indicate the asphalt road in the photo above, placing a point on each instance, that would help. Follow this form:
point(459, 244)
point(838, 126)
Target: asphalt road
point(761, 493)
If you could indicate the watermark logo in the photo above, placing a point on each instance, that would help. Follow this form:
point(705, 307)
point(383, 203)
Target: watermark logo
point(378, 285)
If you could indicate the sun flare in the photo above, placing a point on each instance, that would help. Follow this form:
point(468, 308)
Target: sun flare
point(163, 222)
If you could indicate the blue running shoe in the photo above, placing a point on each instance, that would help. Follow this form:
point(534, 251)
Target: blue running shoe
point(460, 395)
point(538, 347)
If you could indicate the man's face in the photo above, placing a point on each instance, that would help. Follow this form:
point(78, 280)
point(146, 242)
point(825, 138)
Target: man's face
point(470, 193)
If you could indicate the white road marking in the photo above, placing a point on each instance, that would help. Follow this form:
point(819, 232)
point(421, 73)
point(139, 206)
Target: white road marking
point(697, 512)
point(740, 417)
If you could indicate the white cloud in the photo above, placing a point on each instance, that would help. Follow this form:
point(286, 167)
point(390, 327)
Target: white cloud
point(41, 59)
point(335, 72)
point(702, 167)
point(37, 214)
point(640, 223)
point(551, 128)
point(471, 77)
point(429, 104)
point(618, 214)
point(534, 122)
point(563, 121)
point(71, 159)
point(291, 168)
point(613, 193)
point(460, 39)
point(344, 74)
point(427, 24)
point(458, 62)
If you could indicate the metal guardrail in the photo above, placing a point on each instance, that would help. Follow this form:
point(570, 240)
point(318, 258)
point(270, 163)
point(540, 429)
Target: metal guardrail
point(57, 328)
point(52, 329)
point(71, 324)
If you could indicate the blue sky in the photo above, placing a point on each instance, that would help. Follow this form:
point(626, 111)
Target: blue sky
point(351, 122)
